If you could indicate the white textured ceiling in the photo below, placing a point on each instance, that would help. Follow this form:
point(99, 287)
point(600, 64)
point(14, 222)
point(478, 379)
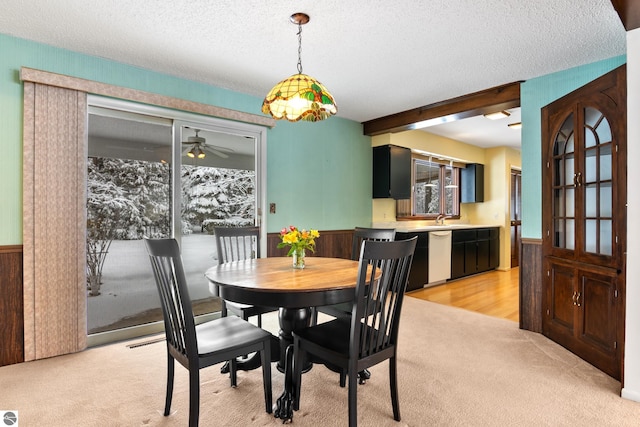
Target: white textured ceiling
point(376, 57)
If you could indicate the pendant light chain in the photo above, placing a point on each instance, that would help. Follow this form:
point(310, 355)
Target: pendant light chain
point(299, 48)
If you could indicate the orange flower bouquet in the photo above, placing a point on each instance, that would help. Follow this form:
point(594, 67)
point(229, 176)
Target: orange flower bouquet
point(298, 241)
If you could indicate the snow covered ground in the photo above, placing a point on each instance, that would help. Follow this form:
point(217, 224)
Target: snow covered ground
point(128, 286)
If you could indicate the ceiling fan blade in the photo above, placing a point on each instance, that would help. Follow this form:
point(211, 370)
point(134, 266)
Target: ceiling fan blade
point(216, 152)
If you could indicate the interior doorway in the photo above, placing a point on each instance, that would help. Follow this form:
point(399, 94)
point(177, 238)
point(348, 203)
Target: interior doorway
point(516, 216)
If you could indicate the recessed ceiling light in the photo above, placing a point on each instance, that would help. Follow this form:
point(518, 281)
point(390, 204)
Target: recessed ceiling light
point(497, 115)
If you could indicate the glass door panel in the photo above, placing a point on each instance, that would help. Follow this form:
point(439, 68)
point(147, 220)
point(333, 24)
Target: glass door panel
point(605, 163)
point(591, 236)
point(606, 237)
point(567, 164)
point(217, 190)
point(560, 236)
point(606, 201)
point(564, 186)
point(598, 207)
point(591, 201)
point(128, 197)
point(571, 234)
point(570, 202)
point(591, 166)
point(142, 182)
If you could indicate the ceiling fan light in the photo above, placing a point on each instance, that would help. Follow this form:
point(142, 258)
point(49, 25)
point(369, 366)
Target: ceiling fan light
point(200, 154)
point(191, 153)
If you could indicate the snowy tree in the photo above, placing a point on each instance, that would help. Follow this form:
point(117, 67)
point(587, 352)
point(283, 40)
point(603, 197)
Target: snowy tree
point(129, 199)
point(107, 211)
point(216, 196)
point(147, 186)
point(124, 199)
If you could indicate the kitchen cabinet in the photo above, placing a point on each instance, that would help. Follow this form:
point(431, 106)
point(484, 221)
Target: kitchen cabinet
point(472, 183)
point(474, 251)
point(391, 172)
point(419, 274)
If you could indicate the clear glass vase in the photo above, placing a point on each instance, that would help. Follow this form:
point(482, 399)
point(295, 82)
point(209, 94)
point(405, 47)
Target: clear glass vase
point(298, 258)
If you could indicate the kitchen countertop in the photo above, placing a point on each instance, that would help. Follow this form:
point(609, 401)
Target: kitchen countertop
point(417, 226)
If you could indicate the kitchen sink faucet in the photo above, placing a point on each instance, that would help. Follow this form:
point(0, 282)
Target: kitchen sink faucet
point(440, 219)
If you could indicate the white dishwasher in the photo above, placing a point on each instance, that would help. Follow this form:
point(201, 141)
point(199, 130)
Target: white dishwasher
point(439, 256)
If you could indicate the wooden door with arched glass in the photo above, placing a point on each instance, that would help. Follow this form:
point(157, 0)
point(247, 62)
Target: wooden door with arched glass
point(584, 221)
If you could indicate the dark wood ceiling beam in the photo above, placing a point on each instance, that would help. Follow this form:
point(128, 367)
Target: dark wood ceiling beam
point(629, 13)
point(486, 101)
point(475, 104)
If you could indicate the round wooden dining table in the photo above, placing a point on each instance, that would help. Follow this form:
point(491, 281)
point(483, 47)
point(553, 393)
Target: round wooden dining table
point(273, 282)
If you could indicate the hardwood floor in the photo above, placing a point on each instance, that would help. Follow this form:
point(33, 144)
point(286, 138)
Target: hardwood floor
point(494, 293)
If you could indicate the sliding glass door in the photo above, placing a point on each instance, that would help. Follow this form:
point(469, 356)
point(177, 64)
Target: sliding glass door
point(217, 189)
point(159, 173)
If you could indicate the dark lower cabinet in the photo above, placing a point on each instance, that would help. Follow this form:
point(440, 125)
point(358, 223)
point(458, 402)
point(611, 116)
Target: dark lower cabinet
point(577, 307)
point(419, 274)
point(474, 251)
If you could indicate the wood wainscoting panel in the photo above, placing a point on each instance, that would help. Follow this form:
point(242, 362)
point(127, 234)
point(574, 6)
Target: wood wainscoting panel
point(11, 306)
point(331, 244)
point(531, 285)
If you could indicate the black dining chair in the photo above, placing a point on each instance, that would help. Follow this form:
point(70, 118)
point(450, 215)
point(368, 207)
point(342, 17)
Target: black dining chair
point(209, 343)
point(360, 234)
point(237, 244)
point(370, 335)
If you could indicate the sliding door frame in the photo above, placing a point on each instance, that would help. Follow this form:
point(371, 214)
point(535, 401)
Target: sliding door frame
point(179, 120)
point(63, 308)
point(182, 118)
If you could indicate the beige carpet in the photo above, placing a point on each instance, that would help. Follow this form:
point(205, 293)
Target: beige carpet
point(456, 368)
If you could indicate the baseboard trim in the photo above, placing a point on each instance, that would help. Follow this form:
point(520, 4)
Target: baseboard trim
point(630, 394)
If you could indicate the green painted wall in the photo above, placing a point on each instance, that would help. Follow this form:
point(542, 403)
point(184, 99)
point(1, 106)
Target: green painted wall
point(534, 95)
point(318, 174)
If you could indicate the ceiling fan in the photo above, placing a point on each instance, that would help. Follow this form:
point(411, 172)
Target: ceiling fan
point(198, 145)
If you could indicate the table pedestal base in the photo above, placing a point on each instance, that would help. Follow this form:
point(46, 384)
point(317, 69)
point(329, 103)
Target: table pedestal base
point(292, 319)
point(284, 404)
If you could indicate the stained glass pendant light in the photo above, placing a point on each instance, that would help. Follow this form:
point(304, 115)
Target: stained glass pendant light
point(299, 97)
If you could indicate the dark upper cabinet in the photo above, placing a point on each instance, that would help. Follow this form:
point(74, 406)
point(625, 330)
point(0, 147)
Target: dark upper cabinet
point(391, 172)
point(472, 186)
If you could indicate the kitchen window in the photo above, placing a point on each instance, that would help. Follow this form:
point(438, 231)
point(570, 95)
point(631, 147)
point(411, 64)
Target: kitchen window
point(435, 190)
